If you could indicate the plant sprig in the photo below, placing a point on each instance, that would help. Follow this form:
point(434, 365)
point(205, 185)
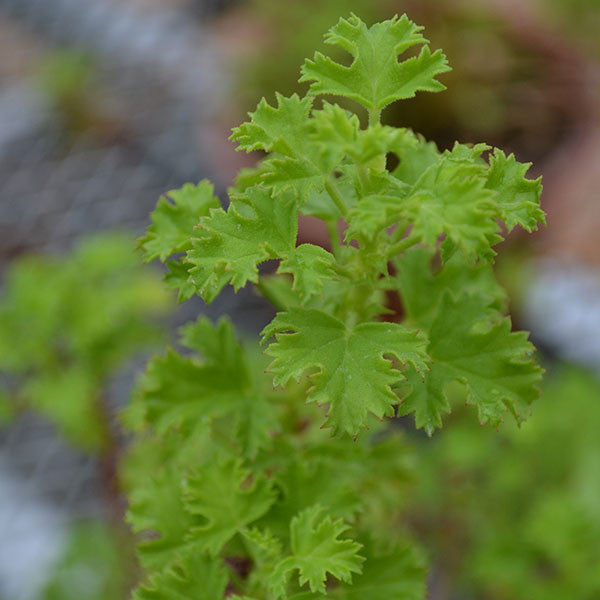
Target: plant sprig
point(247, 496)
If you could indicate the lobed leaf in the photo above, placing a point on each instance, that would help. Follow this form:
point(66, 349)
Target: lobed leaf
point(494, 364)
point(518, 197)
point(352, 376)
point(173, 222)
point(375, 78)
point(229, 498)
point(316, 552)
point(230, 245)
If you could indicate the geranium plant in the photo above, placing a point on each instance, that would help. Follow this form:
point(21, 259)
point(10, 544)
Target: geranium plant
point(280, 477)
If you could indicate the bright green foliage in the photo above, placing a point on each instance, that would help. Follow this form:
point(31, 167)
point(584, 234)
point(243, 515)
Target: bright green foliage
point(317, 551)
point(258, 494)
point(518, 197)
point(376, 78)
point(321, 162)
point(353, 377)
point(291, 510)
point(192, 576)
point(216, 494)
point(173, 221)
point(67, 324)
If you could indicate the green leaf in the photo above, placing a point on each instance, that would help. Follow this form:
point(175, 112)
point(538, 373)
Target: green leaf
point(173, 222)
point(178, 393)
point(282, 129)
point(316, 552)
point(229, 498)
point(421, 289)
point(415, 157)
point(351, 373)
point(311, 479)
point(518, 197)
point(310, 265)
point(217, 343)
point(494, 364)
point(178, 278)
point(397, 575)
point(375, 78)
point(380, 205)
point(156, 508)
point(285, 131)
point(230, 245)
point(192, 576)
point(451, 199)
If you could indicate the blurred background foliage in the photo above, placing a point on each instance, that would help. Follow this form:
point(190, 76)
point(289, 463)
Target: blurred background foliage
point(101, 131)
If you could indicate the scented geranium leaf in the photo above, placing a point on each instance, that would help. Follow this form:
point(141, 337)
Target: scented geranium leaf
point(427, 401)
point(173, 222)
point(229, 498)
point(335, 130)
point(310, 265)
point(282, 129)
point(255, 423)
point(494, 364)
point(263, 546)
point(352, 375)
point(176, 392)
point(375, 78)
point(397, 575)
point(316, 552)
point(298, 175)
point(285, 131)
point(308, 480)
point(230, 245)
point(380, 205)
point(156, 509)
point(415, 156)
point(451, 199)
point(191, 576)
point(518, 197)
point(178, 278)
point(217, 343)
point(421, 290)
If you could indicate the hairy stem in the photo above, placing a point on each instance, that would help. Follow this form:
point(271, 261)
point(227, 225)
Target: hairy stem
point(335, 195)
point(403, 245)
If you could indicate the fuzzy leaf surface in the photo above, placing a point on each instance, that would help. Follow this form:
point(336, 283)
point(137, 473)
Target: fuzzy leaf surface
point(316, 552)
point(229, 498)
point(492, 362)
point(375, 78)
point(173, 220)
point(231, 244)
point(192, 576)
point(518, 197)
point(352, 375)
point(310, 265)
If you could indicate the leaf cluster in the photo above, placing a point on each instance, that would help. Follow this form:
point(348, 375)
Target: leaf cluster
point(429, 223)
point(67, 324)
point(232, 489)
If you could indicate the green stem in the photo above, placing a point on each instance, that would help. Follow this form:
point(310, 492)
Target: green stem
point(362, 177)
point(334, 236)
point(403, 245)
point(374, 116)
point(335, 196)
